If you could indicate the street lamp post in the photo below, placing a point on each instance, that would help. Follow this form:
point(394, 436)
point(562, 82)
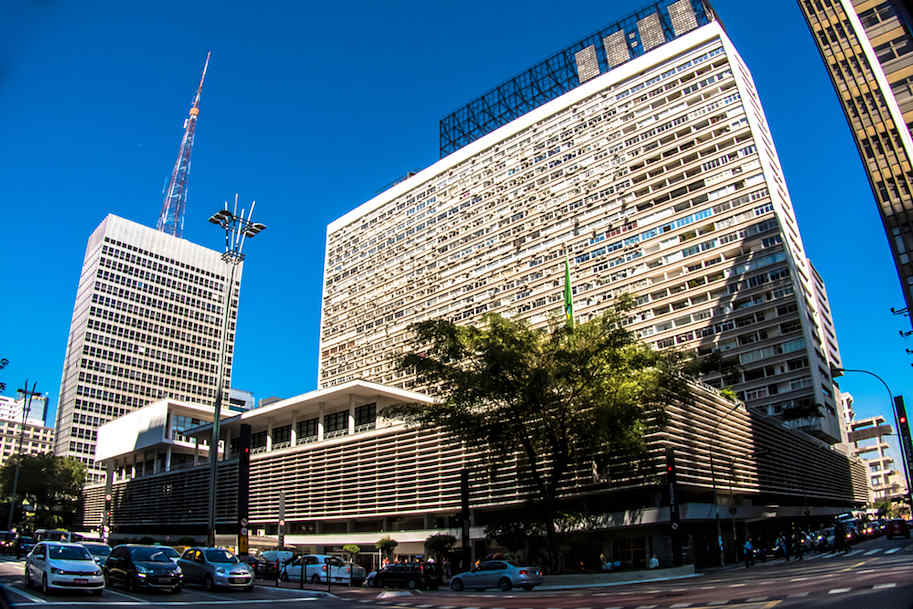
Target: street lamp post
point(903, 459)
point(26, 407)
point(716, 503)
point(236, 227)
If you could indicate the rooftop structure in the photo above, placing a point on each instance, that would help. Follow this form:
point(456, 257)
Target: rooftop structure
point(607, 48)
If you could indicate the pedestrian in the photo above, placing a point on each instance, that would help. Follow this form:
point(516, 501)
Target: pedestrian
point(799, 548)
point(749, 553)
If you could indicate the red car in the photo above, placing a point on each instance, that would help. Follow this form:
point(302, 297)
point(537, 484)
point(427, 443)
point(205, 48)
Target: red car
point(897, 528)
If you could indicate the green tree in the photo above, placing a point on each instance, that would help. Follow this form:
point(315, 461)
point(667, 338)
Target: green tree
point(386, 545)
point(351, 551)
point(439, 545)
point(51, 484)
point(554, 397)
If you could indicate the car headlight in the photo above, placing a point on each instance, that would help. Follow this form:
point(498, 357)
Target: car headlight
point(177, 570)
point(56, 571)
point(220, 571)
point(97, 571)
point(142, 569)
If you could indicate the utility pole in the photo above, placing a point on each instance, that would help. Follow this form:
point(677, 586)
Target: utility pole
point(26, 407)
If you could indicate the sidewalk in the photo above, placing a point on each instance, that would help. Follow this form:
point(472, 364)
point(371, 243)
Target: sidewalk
point(552, 582)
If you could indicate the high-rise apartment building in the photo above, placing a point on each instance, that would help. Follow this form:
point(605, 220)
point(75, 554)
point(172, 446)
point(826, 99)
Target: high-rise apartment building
point(870, 443)
point(146, 325)
point(867, 48)
point(37, 438)
point(652, 167)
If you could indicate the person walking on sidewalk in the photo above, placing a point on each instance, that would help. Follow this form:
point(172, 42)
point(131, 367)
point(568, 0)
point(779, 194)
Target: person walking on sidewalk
point(749, 553)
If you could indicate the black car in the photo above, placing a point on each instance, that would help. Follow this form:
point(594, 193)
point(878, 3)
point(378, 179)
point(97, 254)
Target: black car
point(411, 575)
point(24, 544)
point(135, 566)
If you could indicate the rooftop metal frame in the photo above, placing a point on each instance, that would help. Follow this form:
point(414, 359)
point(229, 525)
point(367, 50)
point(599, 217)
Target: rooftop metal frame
point(552, 77)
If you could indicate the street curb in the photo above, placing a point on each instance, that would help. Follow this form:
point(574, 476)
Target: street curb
point(619, 583)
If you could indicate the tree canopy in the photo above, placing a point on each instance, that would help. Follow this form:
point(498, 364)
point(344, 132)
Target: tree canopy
point(51, 484)
point(555, 397)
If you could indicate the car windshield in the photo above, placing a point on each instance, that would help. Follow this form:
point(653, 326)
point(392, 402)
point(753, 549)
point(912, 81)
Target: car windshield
point(220, 556)
point(97, 549)
point(25, 539)
point(149, 555)
point(69, 553)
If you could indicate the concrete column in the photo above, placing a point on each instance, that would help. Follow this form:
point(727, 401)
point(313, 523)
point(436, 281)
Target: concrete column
point(351, 414)
point(133, 468)
point(155, 463)
point(168, 459)
point(349, 526)
point(226, 453)
point(320, 412)
point(269, 437)
point(293, 438)
point(196, 449)
point(428, 521)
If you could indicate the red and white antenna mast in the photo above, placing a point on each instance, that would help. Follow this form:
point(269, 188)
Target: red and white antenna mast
point(171, 220)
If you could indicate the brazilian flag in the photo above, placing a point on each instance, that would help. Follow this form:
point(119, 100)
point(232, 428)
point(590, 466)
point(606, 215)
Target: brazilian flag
point(568, 298)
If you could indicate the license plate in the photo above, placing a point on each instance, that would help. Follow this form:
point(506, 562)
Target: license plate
point(81, 580)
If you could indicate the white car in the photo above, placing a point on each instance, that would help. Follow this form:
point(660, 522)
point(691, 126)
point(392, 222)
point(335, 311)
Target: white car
point(56, 565)
point(316, 568)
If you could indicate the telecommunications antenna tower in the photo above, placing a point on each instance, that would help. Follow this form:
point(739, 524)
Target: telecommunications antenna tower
point(171, 220)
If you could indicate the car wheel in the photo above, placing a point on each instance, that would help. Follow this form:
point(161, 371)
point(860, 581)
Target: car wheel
point(412, 584)
point(315, 579)
point(208, 583)
point(456, 585)
point(97, 592)
point(250, 588)
point(131, 584)
point(44, 583)
point(527, 587)
point(504, 584)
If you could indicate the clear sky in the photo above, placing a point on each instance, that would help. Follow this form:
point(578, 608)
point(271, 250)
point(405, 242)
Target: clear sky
point(311, 108)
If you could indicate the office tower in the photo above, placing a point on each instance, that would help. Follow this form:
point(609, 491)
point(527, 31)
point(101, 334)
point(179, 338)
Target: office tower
point(37, 438)
point(146, 325)
point(652, 167)
point(867, 49)
point(11, 409)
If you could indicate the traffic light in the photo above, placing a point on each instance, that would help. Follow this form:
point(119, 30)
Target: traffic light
point(903, 432)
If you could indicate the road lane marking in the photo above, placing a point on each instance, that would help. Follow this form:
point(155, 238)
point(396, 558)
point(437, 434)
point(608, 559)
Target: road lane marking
point(799, 579)
point(736, 585)
point(771, 604)
point(883, 586)
point(870, 552)
point(854, 553)
point(757, 599)
point(646, 606)
point(715, 603)
point(838, 590)
point(798, 595)
point(680, 605)
point(892, 550)
point(132, 598)
point(23, 593)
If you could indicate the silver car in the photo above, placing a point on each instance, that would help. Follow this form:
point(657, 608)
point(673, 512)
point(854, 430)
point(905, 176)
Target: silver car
point(215, 567)
point(501, 574)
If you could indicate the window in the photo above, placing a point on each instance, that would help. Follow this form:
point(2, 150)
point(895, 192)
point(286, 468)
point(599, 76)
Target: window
point(893, 49)
point(336, 424)
point(876, 15)
point(306, 430)
point(282, 434)
point(365, 417)
point(258, 440)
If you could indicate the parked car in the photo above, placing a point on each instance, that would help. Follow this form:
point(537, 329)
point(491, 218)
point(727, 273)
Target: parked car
point(265, 564)
point(318, 566)
point(99, 551)
point(897, 528)
point(63, 566)
point(172, 554)
point(7, 539)
point(215, 567)
point(136, 566)
point(412, 575)
point(23, 544)
point(503, 574)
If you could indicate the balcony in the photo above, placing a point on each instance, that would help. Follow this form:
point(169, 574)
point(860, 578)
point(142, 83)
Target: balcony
point(305, 440)
point(335, 434)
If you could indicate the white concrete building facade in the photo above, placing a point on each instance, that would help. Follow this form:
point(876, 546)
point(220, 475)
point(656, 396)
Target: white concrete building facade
point(658, 178)
point(146, 325)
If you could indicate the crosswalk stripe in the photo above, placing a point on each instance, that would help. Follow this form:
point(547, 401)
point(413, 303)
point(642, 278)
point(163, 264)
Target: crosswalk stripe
point(883, 586)
point(870, 552)
point(855, 552)
point(892, 550)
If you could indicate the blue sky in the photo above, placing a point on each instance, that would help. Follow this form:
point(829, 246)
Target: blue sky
point(311, 108)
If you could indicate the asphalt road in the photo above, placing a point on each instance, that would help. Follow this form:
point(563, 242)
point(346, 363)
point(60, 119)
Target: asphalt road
point(874, 575)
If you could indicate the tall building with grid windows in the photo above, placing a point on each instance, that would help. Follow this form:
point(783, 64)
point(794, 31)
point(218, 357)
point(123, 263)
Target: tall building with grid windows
point(146, 325)
point(867, 48)
point(652, 167)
